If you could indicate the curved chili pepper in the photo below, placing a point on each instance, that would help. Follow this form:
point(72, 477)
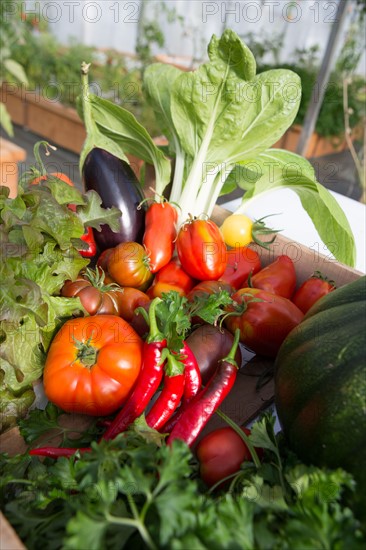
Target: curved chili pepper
point(160, 233)
point(203, 406)
point(170, 396)
point(57, 452)
point(192, 385)
point(148, 381)
point(192, 373)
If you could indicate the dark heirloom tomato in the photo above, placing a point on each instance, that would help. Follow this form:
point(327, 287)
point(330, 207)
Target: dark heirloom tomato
point(96, 296)
point(92, 364)
point(278, 277)
point(311, 290)
point(128, 265)
point(266, 320)
point(160, 234)
point(220, 454)
point(201, 250)
point(242, 261)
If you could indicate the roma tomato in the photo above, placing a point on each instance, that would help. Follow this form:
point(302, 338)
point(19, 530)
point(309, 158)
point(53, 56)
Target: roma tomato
point(265, 321)
point(312, 290)
point(220, 454)
point(173, 274)
point(95, 296)
point(92, 364)
point(128, 265)
point(201, 250)
point(278, 277)
point(160, 233)
point(242, 262)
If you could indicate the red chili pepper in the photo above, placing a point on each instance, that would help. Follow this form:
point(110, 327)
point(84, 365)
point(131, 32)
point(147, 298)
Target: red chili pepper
point(57, 452)
point(207, 401)
point(148, 381)
point(192, 385)
point(171, 394)
point(160, 233)
point(192, 374)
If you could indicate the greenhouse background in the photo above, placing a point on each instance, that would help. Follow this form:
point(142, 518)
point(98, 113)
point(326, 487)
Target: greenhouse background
point(181, 29)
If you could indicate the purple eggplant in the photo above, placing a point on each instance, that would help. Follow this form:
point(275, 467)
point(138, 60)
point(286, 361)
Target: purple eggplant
point(117, 185)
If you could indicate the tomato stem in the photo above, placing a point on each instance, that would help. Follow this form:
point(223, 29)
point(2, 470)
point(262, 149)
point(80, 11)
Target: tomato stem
point(87, 354)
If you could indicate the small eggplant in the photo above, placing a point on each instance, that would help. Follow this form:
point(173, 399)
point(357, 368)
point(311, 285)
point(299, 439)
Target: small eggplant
point(116, 184)
point(209, 345)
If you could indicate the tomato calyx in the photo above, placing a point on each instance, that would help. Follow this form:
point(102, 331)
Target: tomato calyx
point(259, 228)
point(319, 275)
point(97, 279)
point(86, 353)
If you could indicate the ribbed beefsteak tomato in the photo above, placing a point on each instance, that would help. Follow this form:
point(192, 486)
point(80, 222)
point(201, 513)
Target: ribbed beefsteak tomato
point(92, 365)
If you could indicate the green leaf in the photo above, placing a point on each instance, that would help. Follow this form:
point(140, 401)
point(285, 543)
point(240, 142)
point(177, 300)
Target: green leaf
point(62, 192)
point(284, 169)
point(21, 357)
point(94, 138)
point(55, 219)
point(14, 406)
point(85, 531)
point(93, 215)
point(16, 70)
point(121, 126)
point(221, 118)
point(5, 120)
point(158, 83)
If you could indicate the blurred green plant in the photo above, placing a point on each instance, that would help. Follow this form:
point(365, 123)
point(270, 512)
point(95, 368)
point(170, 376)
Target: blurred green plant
point(12, 32)
point(305, 62)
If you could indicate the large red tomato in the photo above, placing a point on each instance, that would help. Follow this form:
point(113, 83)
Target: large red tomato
point(265, 321)
point(92, 364)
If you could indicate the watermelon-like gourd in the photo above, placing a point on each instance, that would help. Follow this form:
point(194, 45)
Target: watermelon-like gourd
point(320, 383)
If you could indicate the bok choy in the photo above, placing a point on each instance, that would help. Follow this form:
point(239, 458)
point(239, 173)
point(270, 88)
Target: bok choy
point(221, 121)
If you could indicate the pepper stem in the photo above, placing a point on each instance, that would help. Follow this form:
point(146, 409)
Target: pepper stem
point(230, 358)
point(155, 335)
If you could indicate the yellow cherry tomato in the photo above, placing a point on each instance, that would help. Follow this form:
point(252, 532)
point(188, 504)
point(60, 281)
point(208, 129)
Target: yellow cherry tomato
point(237, 230)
